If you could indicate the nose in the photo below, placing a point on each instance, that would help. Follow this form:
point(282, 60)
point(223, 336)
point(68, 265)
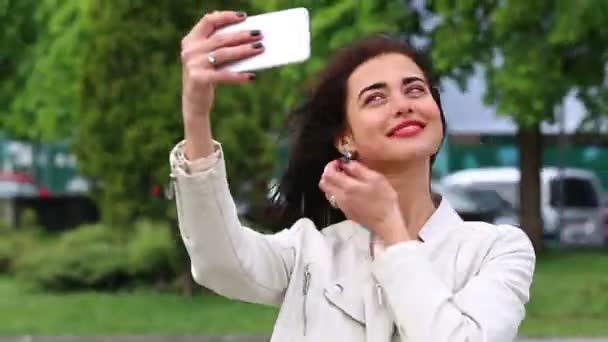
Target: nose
point(402, 105)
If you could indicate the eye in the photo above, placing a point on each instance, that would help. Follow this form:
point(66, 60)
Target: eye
point(416, 90)
point(373, 98)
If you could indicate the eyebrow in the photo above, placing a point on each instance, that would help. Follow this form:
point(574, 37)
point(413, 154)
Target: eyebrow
point(381, 85)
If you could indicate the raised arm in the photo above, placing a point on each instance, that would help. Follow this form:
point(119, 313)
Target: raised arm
point(226, 257)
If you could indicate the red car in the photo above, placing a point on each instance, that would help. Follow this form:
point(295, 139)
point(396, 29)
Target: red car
point(20, 185)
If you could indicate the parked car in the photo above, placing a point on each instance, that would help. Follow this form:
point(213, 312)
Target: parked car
point(570, 199)
point(479, 205)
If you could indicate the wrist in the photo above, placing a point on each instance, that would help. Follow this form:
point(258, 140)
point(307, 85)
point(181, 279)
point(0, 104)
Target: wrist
point(192, 118)
point(393, 231)
point(197, 133)
point(396, 236)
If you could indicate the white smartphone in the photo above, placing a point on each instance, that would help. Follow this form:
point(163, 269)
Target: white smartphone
point(286, 39)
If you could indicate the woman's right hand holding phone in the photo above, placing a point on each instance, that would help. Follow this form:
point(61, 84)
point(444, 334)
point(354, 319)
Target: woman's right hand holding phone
point(203, 52)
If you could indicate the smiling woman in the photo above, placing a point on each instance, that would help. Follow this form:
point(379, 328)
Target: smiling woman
point(368, 254)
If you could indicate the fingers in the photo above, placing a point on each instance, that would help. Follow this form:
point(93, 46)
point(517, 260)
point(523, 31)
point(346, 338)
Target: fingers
point(336, 183)
point(224, 55)
point(212, 21)
point(203, 51)
point(201, 47)
point(228, 77)
point(220, 40)
point(359, 171)
point(209, 76)
point(232, 54)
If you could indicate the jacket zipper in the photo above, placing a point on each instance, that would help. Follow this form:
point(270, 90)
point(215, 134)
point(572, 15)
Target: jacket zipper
point(305, 288)
point(379, 294)
point(173, 193)
point(170, 193)
point(372, 252)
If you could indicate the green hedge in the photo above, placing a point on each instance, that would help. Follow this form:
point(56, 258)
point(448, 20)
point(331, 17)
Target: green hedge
point(101, 258)
point(15, 244)
point(153, 255)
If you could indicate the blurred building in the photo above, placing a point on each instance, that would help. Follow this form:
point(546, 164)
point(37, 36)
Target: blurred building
point(52, 166)
point(479, 137)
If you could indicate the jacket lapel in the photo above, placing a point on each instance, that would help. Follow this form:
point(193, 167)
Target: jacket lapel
point(346, 293)
point(379, 325)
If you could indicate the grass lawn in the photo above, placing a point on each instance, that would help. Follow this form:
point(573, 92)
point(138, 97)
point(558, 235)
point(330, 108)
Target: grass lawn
point(569, 297)
point(140, 312)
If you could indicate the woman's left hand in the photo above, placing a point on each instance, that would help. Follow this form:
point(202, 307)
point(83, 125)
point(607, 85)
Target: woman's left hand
point(366, 197)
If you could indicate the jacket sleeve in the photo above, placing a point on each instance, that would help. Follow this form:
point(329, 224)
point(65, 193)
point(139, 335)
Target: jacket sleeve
point(489, 308)
point(226, 257)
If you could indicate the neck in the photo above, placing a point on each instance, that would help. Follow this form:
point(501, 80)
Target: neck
point(412, 183)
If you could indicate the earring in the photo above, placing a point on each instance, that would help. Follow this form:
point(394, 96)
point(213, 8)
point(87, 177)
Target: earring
point(347, 155)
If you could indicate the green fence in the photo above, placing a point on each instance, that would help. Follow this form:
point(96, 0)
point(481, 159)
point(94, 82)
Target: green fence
point(499, 153)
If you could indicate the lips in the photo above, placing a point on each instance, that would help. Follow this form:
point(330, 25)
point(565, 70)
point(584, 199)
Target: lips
point(407, 128)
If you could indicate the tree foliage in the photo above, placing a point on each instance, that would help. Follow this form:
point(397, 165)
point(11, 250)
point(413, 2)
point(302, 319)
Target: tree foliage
point(533, 53)
point(42, 49)
point(105, 76)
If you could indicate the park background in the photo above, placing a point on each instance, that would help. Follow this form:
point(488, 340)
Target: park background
point(90, 107)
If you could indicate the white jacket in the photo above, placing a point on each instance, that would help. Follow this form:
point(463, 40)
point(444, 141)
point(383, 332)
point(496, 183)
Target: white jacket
point(467, 281)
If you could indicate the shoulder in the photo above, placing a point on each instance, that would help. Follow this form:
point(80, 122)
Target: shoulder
point(498, 240)
point(305, 236)
point(305, 229)
point(502, 232)
point(344, 230)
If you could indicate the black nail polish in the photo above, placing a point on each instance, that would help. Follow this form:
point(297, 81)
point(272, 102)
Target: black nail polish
point(252, 77)
point(241, 14)
point(255, 33)
point(257, 45)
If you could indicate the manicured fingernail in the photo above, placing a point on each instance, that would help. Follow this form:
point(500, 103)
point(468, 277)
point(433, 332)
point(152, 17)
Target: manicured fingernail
point(257, 45)
point(255, 33)
point(241, 14)
point(252, 77)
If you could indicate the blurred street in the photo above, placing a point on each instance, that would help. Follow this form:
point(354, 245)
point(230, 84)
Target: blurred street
point(214, 339)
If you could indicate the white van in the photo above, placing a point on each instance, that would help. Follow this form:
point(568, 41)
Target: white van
point(580, 222)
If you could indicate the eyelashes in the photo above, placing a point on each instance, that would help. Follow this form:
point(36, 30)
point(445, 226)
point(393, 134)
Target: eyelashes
point(373, 97)
point(377, 97)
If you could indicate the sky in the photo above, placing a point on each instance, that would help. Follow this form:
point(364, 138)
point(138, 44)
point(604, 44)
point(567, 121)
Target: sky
point(467, 114)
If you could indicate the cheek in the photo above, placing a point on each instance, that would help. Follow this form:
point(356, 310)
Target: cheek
point(432, 115)
point(369, 130)
point(365, 124)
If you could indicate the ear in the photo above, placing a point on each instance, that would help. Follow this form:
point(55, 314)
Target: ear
point(344, 143)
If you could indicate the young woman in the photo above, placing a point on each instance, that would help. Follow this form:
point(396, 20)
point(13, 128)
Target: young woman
point(369, 253)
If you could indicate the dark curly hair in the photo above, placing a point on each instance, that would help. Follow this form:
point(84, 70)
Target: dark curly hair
point(314, 126)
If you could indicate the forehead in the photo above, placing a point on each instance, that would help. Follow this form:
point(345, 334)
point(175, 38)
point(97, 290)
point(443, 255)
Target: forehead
point(383, 68)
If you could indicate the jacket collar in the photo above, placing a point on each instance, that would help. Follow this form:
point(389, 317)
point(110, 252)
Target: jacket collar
point(353, 293)
point(441, 221)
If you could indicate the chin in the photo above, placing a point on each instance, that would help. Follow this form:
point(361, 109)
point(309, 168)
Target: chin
point(403, 156)
point(400, 151)
point(412, 151)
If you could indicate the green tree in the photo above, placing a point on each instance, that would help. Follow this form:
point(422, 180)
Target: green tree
point(130, 95)
point(18, 31)
point(42, 44)
point(533, 54)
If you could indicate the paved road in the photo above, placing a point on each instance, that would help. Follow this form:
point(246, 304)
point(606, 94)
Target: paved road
point(211, 339)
